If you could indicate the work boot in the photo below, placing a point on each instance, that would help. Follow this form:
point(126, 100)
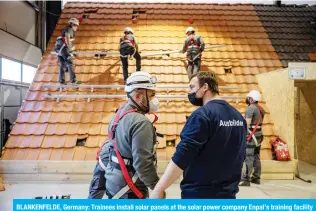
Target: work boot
point(76, 82)
point(244, 183)
point(255, 181)
point(62, 83)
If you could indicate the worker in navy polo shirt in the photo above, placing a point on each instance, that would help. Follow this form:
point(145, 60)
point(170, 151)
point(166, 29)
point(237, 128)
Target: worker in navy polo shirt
point(212, 148)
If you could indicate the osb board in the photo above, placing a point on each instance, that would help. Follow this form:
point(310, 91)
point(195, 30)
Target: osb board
point(310, 69)
point(278, 92)
point(265, 154)
point(82, 170)
point(306, 128)
point(272, 166)
point(309, 93)
point(277, 176)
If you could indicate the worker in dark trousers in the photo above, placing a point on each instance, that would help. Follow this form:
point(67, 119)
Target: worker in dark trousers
point(128, 47)
point(131, 167)
point(97, 185)
point(211, 151)
point(194, 46)
point(254, 117)
point(64, 47)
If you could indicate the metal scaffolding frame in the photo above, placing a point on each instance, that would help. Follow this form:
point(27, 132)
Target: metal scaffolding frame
point(104, 53)
point(107, 96)
point(98, 86)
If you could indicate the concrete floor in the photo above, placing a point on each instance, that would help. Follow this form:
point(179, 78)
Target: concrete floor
point(268, 189)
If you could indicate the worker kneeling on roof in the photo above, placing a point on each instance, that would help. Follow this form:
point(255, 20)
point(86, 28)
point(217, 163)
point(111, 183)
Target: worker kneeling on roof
point(254, 117)
point(194, 46)
point(128, 47)
point(64, 47)
point(212, 146)
point(131, 168)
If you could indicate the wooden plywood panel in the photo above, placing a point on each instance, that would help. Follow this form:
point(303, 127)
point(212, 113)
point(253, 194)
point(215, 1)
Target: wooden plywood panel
point(305, 128)
point(277, 176)
point(278, 92)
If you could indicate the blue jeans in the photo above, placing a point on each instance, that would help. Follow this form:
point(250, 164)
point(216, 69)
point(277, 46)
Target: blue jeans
point(97, 185)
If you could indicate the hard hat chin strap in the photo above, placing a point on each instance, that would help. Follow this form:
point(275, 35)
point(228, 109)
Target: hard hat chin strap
point(136, 104)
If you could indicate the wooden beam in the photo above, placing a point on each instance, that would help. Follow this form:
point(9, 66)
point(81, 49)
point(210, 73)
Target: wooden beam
point(76, 171)
point(277, 176)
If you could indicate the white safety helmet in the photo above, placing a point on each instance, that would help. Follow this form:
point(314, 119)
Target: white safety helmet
point(189, 29)
point(128, 29)
point(255, 95)
point(140, 80)
point(74, 21)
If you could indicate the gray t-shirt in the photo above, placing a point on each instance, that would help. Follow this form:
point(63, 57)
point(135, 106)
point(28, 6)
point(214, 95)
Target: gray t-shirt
point(253, 113)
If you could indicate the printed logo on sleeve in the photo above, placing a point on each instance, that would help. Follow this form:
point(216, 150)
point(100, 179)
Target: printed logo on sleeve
point(231, 123)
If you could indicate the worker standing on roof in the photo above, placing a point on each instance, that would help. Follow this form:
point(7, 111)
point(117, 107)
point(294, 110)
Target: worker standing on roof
point(212, 147)
point(131, 166)
point(64, 47)
point(194, 46)
point(128, 47)
point(254, 117)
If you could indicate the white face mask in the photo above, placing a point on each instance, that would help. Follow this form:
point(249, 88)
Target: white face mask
point(153, 105)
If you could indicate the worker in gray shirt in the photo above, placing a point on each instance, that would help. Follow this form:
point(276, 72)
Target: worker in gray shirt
point(254, 117)
point(132, 145)
point(64, 47)
point(194, 46)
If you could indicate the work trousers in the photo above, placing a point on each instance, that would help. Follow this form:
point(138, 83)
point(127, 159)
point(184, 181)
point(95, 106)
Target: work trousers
point(66, 62)
point(124, 60)
point(193, 64)
point(252, 163)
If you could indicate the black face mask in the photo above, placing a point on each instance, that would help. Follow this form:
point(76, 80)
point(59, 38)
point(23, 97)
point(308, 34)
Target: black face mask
point(195, 101)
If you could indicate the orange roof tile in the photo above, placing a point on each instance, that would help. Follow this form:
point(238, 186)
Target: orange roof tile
point(48, 130)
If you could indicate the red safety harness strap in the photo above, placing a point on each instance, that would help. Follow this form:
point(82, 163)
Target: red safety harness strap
point(125, 173)
point(127, 38)
point(259, 121)
point(190, 42)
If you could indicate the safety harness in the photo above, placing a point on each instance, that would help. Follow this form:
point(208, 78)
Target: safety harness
point(127, 40)
point(252, 133)
point(192, 40)
point(61, 37)
point(119, 159)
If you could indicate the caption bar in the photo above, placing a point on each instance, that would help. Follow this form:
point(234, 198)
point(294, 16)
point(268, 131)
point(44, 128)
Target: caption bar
point(164, 205)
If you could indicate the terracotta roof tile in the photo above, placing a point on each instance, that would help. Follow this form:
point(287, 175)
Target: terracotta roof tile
point(68, 154)
point(53, 142)
point(9, 154)
point(80, 153)
point(32, 154)
point(44, 154)
point(73, 129)
point(56, 154)
point(91, 153)
point(47, 130)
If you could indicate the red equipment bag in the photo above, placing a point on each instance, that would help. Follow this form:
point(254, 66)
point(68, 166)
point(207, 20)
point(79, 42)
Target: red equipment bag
point(280, 149)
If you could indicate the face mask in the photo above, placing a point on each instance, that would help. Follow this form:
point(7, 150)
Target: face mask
point(194, 100)
point(153, 105)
